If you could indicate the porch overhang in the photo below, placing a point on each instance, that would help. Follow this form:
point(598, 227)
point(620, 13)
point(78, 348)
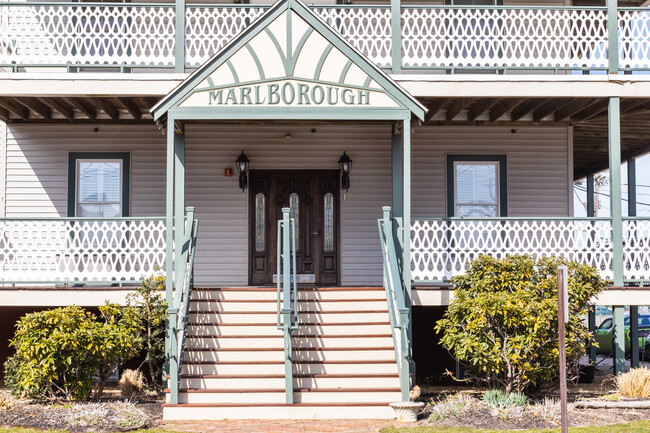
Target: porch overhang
point(289, 64)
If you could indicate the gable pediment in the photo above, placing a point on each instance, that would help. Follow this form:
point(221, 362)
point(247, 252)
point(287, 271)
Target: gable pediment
point(288, 59)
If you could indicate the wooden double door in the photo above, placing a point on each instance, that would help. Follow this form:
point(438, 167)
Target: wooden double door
point(313, 196)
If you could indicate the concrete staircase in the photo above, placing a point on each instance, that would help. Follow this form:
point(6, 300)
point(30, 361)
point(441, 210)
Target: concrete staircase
point(344, 359)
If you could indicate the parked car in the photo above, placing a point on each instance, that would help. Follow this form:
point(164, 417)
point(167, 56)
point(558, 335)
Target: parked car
point(605, 335)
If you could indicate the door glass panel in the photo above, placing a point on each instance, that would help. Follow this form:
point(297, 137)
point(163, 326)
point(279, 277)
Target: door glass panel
point(328, 219)
point(259, 222)
point(294, 204)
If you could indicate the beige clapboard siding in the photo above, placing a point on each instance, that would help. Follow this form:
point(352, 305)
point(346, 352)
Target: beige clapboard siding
point(37, 165)
point(37, 178)
point(537, 166)
point(222, 207)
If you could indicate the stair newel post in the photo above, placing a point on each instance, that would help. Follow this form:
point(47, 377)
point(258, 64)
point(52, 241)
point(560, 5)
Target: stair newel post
point(173, 356)
point(286, 302)
point(387, 223)
point(404, 378)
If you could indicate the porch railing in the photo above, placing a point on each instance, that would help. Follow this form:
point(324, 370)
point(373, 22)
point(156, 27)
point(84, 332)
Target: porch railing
point(442, 248)
point(287, 293)
point(144, 35)
point(80, 250)
point(397, 309)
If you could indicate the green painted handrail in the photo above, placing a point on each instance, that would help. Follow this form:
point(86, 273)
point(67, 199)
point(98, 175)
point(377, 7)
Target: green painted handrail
point(179, 312)
point(287, 293)
point(398, 312)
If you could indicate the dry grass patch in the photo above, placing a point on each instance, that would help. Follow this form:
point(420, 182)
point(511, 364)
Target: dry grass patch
point(635, 383)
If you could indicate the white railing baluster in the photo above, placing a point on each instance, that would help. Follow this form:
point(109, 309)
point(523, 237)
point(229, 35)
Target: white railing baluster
point(443, 248)
point(78, 249)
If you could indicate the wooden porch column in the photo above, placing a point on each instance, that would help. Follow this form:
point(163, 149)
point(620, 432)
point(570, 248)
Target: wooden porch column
point(406, 232)
point(397, 171)
point(614, 121)
point(396, 36)
point(591, 314)
point(634, 309)
point(612, 36)
point(169, 241)
point(179, 42)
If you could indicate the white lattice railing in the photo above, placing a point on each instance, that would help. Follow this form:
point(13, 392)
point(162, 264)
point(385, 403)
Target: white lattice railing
point(58, 34)
point(504, 37)
point(367, 28)
point(79, 249)
point(443, 248)
point(208, 28)
point(144, 34)
point(634, 38)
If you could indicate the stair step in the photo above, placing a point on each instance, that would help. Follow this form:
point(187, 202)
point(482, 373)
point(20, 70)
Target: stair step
point(266, 395)
point(270, 294)
point(244, 331)
point(306, 381)
point(271, 318)
point(253, 307)
point(299, 342)
point(272, 354)
point(277, 367)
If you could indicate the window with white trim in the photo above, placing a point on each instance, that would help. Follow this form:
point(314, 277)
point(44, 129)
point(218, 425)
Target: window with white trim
point(476, 186)
point(98, 185)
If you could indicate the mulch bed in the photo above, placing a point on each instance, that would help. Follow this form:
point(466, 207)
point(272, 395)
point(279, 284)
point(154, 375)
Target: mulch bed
point(111, 414)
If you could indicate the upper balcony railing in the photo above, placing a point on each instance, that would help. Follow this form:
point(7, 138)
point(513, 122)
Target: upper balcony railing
point(504, 38)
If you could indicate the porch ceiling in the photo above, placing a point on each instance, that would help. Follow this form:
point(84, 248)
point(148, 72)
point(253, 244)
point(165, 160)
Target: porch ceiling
point(77, 109)
point(588, 116)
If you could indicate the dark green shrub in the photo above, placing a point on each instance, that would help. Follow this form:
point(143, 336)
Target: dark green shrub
point(503, 322)
point(58, 351)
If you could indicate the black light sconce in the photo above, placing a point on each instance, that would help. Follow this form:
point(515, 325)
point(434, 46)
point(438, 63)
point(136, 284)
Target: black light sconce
point(345, 165)
point(242, 167)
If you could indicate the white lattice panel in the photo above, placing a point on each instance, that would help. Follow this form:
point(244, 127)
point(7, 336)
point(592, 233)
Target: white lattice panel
point(444, 249)
point(367, 29)
point(88, 35)
point(636, 249)
point(634, 38)
point(504, 37)
point(64, 250)
point(208, 29)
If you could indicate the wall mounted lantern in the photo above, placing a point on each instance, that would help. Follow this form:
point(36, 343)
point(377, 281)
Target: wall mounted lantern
point(345, 165)
point(242, 167)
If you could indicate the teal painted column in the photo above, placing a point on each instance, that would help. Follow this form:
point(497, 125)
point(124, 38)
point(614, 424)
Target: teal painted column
point(612, 36)
point(169, 241)
point(179, 208)
point(616, 207)
point(397, 171)
point(591, 315)
point(591, 211)
point(406, 233)
point(634, 309)
point(396, 36)
point(179, 43)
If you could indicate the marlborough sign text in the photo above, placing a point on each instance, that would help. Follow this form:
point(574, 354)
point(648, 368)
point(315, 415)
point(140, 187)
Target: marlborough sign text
point(289, 93)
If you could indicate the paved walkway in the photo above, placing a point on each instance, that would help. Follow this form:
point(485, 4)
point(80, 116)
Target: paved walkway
point(282, 426)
